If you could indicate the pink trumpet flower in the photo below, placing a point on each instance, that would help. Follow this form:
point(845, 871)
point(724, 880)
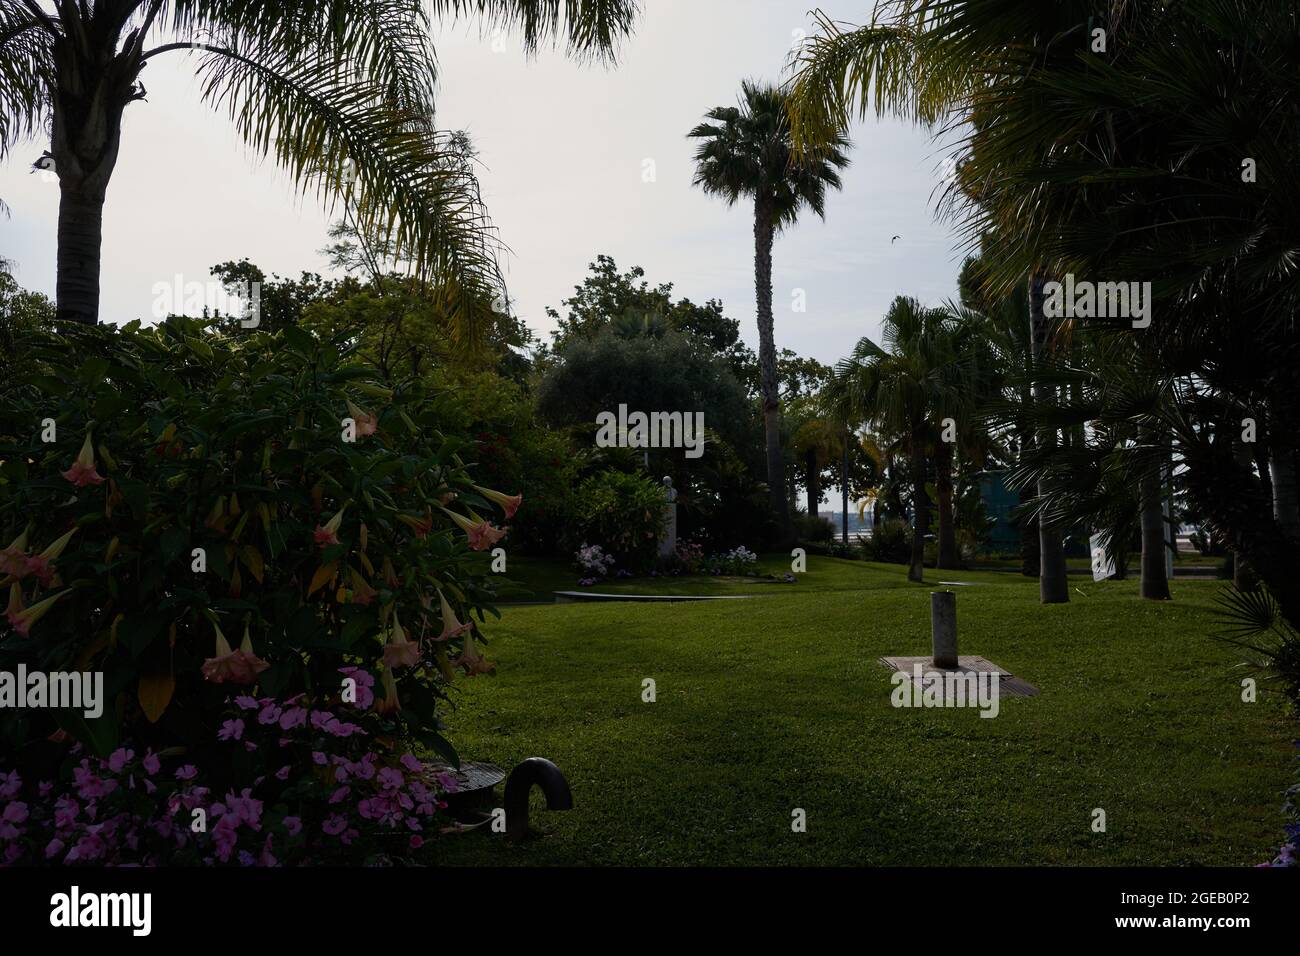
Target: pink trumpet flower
point(450, 626)
point(398, 651)
point(509, 503)
point(22, 618)
point(481, 534)
point(83, 471)
point(236, 666)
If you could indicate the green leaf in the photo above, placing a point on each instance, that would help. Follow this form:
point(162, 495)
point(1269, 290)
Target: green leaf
point(172, 543)
point(92, 370)
point(100, 733)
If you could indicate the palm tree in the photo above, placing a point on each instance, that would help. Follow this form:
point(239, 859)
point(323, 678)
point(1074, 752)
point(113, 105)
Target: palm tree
point(905, 388)
point(339, 92)
point(1084, 162)
point(818, 440)
point(747, 152)
point(1052, 585)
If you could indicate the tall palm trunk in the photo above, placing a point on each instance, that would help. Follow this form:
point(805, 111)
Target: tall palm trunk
point(1027, 524)
point(813, 475)
point(1282, 472)
point(764, 231)
point(79, 237)
point(1052, 586)
point(844, 492)
point(93, 85)
point(1154, 585)
point(1243, 578)
point(948, 556)
point(920, 518)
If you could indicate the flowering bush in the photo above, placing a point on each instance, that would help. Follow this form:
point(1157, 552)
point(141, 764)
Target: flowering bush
point(337, 795)
point(163, 488)
point(739, 561)
point(626, 513)
point(688, 558)
point(1289, 853)
point(594, 563)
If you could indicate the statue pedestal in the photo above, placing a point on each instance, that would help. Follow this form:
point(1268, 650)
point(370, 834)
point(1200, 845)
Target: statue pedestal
point(668, 543)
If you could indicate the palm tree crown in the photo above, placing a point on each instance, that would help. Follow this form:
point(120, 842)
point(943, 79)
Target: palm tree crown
point(747, 152)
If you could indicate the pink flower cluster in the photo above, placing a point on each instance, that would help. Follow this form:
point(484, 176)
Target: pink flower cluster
point(124, 810)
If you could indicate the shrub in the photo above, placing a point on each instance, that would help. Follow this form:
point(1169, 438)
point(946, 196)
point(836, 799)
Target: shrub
point(890, 542)
point(687, 558)
point(813, 528)
point(330, 794)
point(166, 487)
point(1289, 853)
point(593, 562)
point(625, 512)
point(739, 561)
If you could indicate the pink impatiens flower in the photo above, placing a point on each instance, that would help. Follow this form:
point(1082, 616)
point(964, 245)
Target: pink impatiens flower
point(83, 471)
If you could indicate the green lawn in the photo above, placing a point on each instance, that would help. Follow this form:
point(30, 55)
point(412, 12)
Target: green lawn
point(779, 703)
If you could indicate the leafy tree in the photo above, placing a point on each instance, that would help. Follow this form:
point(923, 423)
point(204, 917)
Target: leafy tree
point(608, 296)
point(20, 312)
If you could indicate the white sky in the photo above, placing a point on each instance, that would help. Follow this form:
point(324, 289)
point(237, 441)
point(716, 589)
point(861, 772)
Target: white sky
point(563, 148)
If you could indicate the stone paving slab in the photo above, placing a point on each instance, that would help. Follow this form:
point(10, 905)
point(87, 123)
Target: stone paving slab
point(1008, 683)
point(569, 597)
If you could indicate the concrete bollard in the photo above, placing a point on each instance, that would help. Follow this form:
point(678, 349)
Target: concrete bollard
point(943, 627)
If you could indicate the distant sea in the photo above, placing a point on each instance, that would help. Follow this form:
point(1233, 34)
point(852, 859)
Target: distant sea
point(857, 528)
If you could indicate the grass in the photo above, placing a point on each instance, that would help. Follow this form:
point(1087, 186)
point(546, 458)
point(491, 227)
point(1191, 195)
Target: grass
point(777, 703)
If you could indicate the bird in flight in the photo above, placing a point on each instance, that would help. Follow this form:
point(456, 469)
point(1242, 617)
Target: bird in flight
point(896, 238)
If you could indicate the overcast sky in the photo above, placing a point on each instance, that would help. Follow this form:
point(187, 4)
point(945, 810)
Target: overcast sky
point(564, 149)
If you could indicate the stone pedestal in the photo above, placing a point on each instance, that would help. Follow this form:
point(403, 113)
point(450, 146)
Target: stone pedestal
point(668, 543)
point(943, 627)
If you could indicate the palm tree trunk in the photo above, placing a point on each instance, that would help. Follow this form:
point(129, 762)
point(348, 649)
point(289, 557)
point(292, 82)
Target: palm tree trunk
point(844, 492)
point(1052, 586)
point(948, 556)
point(1243, 578)
point(1235, 499)
point(813, 472)
point(768, 383)
point(81, 225)
point(920, 518)
point(1154, 585)
point(1282, 472)
point(93, 84)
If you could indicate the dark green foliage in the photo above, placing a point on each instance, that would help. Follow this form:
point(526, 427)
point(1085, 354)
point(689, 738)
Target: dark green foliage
point(624, 514)
point(236, 447)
